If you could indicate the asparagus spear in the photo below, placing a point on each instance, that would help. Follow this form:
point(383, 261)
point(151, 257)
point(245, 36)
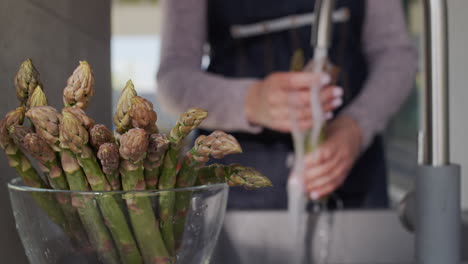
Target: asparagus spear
point(74, 136)
point(16, 157)
point(38, 98)
point(233, 175)
point(23, 166)
point(40, 150)
point(87, 210)
point(46, 121)
point(109, 156)
point(98, 135)
point(80, 87)
point(142, 114)
point(26, 81)
point(122, 119)
point(86, 121)
point(218, 144)
point(186, 123)
point(133, 146)
point(157, 147)
point(297, 61)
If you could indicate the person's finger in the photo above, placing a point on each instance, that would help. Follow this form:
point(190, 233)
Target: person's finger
point(329, 176)
point(324, 152)
point(317, 175)
point(303, 80)
point(330, 93)
point(332, 105)
point(283, 126)
point(335, 179)
point(305, 125)
point(327, 190)
point(331, 98)
point(279, 113)
point(300, 98)
point(303, 113)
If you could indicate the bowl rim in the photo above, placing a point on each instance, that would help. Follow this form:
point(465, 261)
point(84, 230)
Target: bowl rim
point(17, 184)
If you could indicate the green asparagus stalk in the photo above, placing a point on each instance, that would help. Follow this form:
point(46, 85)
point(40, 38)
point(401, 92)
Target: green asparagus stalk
point(189, 121)
point(297, 61)
point(24, 168)
point(16, 157)
point(234, 175)
point(157, 147)
point(87, 210)
point(40, 150)
point(122, 119)
point(218, 145)
point(47, 159)
point(80, 87)
point(26, 81)
point(108, 154)
point(133, 146)
point(46, 122)
point(74, 136)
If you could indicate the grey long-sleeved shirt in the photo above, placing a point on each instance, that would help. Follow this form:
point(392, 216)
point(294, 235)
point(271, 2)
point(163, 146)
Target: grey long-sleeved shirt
point(182, 83)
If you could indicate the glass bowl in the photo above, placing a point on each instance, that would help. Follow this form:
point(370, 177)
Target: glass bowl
point(58, 226)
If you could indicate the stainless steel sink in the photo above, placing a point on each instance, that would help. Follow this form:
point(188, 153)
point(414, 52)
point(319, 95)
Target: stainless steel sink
point(357, 237)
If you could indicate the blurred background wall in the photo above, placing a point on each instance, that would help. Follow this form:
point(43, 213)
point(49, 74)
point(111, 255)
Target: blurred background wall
point(55, 34)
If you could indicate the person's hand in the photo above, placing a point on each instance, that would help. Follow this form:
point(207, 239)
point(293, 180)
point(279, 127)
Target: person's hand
point(268, 104)
point(327, 168)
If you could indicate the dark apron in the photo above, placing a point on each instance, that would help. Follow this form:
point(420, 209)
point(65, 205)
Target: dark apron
point(257, 57)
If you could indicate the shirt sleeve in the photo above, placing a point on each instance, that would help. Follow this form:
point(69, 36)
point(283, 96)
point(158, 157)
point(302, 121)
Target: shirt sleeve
point(181, 81)
point(392, 65)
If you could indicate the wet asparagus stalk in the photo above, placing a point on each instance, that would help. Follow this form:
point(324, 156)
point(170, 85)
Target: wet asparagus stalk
point(133, 146)
point(157, 147)
point(74, 136)
point(217, 145)
point(189, 121)
point(234, 175)
point(80, 87)
point(26, 81)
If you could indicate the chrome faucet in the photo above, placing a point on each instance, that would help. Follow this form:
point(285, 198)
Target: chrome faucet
point(434, 208)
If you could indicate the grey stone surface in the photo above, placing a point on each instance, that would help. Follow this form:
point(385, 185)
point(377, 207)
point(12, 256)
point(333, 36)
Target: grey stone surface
point(55, 34)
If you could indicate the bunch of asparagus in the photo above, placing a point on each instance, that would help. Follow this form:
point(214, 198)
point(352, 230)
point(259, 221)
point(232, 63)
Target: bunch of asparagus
point(74, 153)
